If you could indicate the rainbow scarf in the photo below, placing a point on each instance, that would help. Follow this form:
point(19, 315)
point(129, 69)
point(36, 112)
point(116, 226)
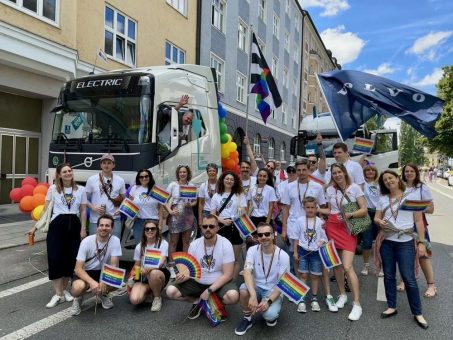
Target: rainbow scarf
point(188, 191)
point(159, 194)
point(245, 225)
point(214, 309)
point(151, 257)
point(363, 145)
point(189, 262)
point(329, 255)
point(292, 287)
point(112, 276)
point(414, 205)
point(316, 180)
point(128, 208)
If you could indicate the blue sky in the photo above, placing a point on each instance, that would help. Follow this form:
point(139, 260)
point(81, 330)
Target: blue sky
point(408, 41)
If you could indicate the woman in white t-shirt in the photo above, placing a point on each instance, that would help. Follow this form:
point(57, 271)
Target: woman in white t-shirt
point(206, 191)
point(152, 280)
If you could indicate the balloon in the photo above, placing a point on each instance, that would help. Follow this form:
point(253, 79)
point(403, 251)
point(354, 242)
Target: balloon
point(224, 138)
point(26, 204)
point(40, 189)
point(36, 213)
point(230, 164)
point(223, 128)
point(221, 120)
point(30, 181)
point(222, 112)
point(237, 169)
point(234, 155)
point(225, 151)
point(27, 190)
point(229, 138)
point(44, 183)
point(233, 147)
point(38, 199)
point(16, 194)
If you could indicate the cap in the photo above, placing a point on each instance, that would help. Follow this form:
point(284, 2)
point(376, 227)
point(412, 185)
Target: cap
point(108, 156)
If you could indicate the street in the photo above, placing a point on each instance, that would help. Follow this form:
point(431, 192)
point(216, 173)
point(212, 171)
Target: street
point(24, 291)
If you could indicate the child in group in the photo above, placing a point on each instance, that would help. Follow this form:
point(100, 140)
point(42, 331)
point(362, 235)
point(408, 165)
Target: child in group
point(306, 256)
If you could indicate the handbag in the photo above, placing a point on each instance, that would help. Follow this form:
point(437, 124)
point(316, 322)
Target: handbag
point(355, 225)
point(44, 221)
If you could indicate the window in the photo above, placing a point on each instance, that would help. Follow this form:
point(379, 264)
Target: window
point(285, 77)
point(218, 65)
point(294, 120)
point(120, 35)
point(297, 22)
point(271, 152)
point(282, 152)
point(274, 69)
point(45, 10)
point(218, 14)
point(296, 54)
point(173, 54)
point(241, 85)
point(262, 10)
point(287, 6)
point(257, 145)
point(295, 92)
point(287, 41)
point(284, 114)
point(276, 25)
point(179, 5)
point(262, 46)
point(242, 36)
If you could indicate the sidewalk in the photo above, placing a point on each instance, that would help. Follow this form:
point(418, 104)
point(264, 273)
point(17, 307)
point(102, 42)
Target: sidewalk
point(14, 226)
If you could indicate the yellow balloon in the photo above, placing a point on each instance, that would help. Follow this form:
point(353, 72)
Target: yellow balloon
point(233, 146)
point(229, 138)
point(36, 213)
point(225, 151)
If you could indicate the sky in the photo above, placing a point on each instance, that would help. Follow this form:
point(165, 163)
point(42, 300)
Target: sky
point(408, 41)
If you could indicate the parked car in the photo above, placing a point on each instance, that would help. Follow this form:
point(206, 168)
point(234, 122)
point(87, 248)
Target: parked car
point(450, 179)
point(446, 174)
point(439, 173)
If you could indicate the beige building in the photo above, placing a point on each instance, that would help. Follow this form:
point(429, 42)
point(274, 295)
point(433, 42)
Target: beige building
point(45, 43)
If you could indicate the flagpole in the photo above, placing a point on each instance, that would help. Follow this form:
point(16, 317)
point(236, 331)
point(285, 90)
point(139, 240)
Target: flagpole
point(249, 81)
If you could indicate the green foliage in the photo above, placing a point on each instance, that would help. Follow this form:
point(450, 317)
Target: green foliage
point(410, 146)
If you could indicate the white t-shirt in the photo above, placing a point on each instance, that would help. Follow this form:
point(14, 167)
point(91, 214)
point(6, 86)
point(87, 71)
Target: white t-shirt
point(280, 265)
point(335, 197)
point(260, 198)
point(70, 206)
point(173, 189)
point(231, 211)
point(98, 196)
point(149, 207)
point(204, 193)
point(247, 184)
point(213, 259)
point(87, 251)
point(277, 179)
point(320, 176)
point(163, 250)
point(355, 172)
point(421, 192)
point(312, 236)
point(372, 193)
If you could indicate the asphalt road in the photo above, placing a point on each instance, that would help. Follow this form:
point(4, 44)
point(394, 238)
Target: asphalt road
point(23, 313)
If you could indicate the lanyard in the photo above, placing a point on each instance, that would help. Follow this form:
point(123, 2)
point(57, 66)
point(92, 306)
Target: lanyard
point(68, 198)
point(270, 263)
point(258, 198)
point(310, 233)
point(397, 210)
point(209, 259)
point(100, 254)
point(210, 191)
point(339, 203)
point(305, 193)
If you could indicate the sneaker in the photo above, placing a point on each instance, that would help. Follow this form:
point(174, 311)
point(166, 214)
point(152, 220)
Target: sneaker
point(55, 300)
point(315, 306)
point(244, 326)
point(76, 308)
point(356, 313)
point(301, 307)
point(120, 291)
point(271, 323)
point(194, 312)
point(333, 278)
point(68, 297)
point(365, 269)
point(330, 302)
point(241, 273)
point(106, 301)
point(157, 304)
point(341, 301)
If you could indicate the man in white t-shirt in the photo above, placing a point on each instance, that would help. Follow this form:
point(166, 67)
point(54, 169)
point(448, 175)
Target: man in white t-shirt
point(216, 257)
point(95, 251)
point(355, 171)
point(280, 174)
point(105, 192)
point(264, 265)
point(248, 181)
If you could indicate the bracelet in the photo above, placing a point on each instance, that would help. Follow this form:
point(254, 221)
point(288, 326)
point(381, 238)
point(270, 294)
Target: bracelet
point(421, 242)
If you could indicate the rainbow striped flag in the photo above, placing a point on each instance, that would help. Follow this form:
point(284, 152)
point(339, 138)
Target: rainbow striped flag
point(329, 255)
point(189, 262)
point(414, 205)
point(316, 179)
point(112, 276)
point(159, 194)
point(214, 309)
point(363, 145)
point(292, 287)
point(188, 191)
point(128, 208)
point(245, 225)
point(151, 257)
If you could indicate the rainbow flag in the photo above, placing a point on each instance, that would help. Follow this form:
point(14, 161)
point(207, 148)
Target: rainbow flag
point(292, 287)
point(245, 225)
point(214, 309)
point(414, 205)
point(151, 257)
point(189, 262)
point(112, 276)
point(159, 194)
point(363, 145)
point(128, 208)
point(329, 255)
point(188, 191)
point(316, 179)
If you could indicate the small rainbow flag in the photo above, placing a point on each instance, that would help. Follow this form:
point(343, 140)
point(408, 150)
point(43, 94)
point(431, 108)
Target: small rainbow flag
point(188, 191)
point(316, 179)
point(245, 225)
point(188, 261)
point(329, 255)
point(128, 208)
point(151, 257)
point(413, 205)
point(292, 287)
point(214, 309)
point(159, 194)
point(363, 145)
point(112, 276)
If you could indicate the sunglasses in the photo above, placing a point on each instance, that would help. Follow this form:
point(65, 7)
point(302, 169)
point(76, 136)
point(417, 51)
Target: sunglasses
point(266, 234)
point(270, 167)
point(291, 171)
point(150, 229)
point(313, 162)
point(208, 226)
point(143, 177)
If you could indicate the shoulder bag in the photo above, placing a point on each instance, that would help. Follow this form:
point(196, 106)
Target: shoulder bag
point(44, 220)
point(355, 225)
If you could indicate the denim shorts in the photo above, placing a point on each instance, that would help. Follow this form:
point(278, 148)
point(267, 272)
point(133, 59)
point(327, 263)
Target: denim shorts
point(309, 262)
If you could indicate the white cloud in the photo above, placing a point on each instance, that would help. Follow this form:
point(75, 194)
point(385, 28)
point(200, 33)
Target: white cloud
point(427, 46)
point(345, 46)
point(381, 70)
point(429, 79)
point(331, 7)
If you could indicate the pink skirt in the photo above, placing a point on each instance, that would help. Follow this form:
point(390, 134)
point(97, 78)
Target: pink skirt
point(337, 231)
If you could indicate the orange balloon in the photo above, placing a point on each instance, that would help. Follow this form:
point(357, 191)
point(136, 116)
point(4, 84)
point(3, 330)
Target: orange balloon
point(38, 199)
point(40, 189)
point(26, 204)
point(230, 164)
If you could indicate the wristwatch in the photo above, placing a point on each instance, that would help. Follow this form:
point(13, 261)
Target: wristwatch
point(209, 290)
point(269, 302)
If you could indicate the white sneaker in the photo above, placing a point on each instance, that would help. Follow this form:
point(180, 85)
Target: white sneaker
point(76, 308)
point(330, 302)
point(106, 301)
point(157, 304)
point(68, 296)
point(315, 306)
point(55, 300)
point(356, 313)
point(301, 307)
point(241, 273)
point(342, 300)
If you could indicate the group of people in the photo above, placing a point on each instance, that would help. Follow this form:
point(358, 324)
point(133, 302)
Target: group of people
point(304, 203)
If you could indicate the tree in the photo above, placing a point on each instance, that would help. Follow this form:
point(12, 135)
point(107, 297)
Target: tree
point(410, 146)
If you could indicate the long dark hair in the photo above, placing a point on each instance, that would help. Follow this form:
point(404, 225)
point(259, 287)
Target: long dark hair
point(144, 240)
point(270, 178)
point(383, 188)
point(237, 186)
point(343, 170)
point(417, 179)
point(151, 178)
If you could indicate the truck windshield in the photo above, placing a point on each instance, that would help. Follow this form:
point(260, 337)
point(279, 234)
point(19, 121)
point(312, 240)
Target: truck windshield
point(104, 120)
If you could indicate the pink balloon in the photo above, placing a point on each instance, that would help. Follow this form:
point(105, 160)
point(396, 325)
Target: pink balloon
point(16, 194)
point(29, 180)
point(27, 190)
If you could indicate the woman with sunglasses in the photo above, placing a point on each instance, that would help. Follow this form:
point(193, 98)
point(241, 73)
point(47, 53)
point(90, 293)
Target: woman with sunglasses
point(206, 191)
point(228, 204)
point(149, 207)
point(152, 280)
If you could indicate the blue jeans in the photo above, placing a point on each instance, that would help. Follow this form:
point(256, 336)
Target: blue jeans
point(402, 253)
point(117, 226)
point(289, 248)
point(370, 234)
point(274, 310)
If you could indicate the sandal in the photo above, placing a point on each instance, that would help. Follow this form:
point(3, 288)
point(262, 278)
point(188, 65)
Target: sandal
point(381, 274)
point(365, 269)
point(431, 291)
point(400, 287)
